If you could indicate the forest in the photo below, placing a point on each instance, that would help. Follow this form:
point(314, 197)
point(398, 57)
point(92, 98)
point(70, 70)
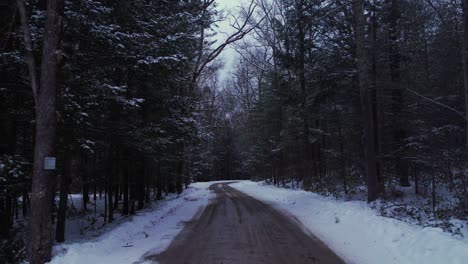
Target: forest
point(123, 102)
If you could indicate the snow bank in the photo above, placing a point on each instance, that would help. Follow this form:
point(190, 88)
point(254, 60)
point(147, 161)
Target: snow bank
point(358, 234)
point(147, 232)
point(206, 185)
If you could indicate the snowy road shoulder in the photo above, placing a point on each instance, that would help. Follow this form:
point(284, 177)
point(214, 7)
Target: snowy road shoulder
point(150, 231)
point(358, 234)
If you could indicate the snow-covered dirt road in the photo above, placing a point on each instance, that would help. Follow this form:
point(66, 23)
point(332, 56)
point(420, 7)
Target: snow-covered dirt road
point(236, 228)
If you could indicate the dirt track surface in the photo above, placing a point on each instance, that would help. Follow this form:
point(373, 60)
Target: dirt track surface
point(236, 228)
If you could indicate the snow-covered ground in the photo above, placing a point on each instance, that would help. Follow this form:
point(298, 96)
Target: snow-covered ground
point(353, 229)
point(148, 232)
point(358, 234)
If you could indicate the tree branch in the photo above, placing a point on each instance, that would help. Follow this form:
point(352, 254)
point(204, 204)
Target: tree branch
point(429, 2)
point(437, 103)
point(242, 31)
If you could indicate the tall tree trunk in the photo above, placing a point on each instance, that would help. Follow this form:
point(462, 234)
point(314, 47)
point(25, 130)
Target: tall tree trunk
point(133, 183)
point(398, 126)
point(110, 181)
point(110, 206)
point(125, 185)
point(342, 159)
point(7, 146)
point(9, 214)
point(25, 203)
point(140, 181)
point(4, 227)
point(416, 179)
point(62, 211)
point(159, 181)
point(106, 183)
point(364, 68)
point(465, 78)
point(148, 180)
point(308, 150)
point(117, 190)
point(433, 192)
point(179, 179)
point(44, 90)
point(376, 105)
point(84, 161)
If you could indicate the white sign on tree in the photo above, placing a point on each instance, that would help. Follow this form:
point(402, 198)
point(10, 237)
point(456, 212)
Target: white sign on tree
point(49, 163)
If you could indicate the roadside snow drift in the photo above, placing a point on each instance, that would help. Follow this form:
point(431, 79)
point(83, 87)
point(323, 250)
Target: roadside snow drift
point(356, 233)
point(150, 231)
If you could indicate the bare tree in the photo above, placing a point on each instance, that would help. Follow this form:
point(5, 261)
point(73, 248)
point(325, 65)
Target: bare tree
point(207, 56)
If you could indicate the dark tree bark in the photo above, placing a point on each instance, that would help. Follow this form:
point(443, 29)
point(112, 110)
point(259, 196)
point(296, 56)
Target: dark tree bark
point(110, 204)
point(15, 209)
point(6, 216)
point(110, 182)
point(25, 203)
point(125, 188)
point(376, 104)
point(433, 192)
point(465, 78)
point(44, 91)
point(416, 180)
point(117, 192)
point(7, 146)
point(4, 226)
point(140, 188)
point(365, 83)
point(159, 181)
point(95, 179)
point(179, 179)
point(105, 199)
point(342, 160)
point(132, 189)
point(85, 181)
point(300, 67)
point(398, 124)
point(148, 169)
point(64, 186)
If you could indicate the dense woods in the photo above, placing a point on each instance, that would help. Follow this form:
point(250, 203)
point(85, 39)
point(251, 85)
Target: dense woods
point(129, 118)
point(328, 96)
point(331, 96)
